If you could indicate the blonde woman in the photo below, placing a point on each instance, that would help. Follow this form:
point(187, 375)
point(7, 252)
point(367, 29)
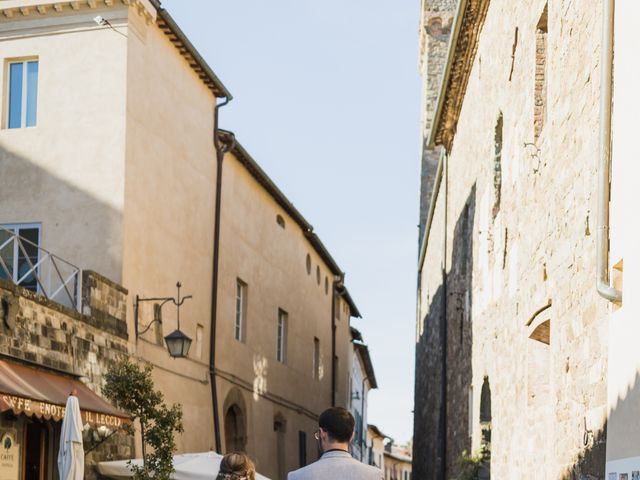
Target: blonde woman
point(236, 466)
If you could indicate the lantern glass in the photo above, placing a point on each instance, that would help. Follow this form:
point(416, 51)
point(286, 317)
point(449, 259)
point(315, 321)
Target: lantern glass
point(178, 344)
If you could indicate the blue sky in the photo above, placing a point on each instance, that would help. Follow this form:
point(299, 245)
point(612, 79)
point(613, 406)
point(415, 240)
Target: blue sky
point(327, 100)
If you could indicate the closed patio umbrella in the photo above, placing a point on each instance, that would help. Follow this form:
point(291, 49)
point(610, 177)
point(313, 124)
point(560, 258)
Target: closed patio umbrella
point(71, 453)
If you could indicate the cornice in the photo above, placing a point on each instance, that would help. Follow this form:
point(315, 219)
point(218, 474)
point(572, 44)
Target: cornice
point(12, 9)
point(462, 54)
point(150, 10)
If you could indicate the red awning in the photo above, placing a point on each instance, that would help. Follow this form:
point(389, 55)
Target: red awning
point(39, 393)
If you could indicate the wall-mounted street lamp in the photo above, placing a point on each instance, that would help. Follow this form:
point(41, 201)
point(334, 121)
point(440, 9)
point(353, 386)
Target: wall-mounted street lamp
point(177, 342)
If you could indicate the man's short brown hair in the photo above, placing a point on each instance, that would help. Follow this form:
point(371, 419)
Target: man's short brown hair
point(338, 423)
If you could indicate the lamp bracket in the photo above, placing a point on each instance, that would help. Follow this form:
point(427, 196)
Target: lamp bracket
point(163, 300)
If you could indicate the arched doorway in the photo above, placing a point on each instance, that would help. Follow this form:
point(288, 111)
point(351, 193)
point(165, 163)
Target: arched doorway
point(280, 428)
point(235, 422)
point(234, 437)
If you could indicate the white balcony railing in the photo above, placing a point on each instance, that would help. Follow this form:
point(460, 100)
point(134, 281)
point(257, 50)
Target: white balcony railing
point(30, 266)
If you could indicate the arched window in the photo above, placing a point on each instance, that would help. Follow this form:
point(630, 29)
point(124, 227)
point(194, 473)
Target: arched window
point(485, 429)
point(485, 401)
point(497, 165)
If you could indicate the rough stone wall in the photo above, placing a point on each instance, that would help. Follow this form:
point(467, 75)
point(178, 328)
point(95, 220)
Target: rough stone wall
point(42, 332)
point(105, 303)
point(546, 401)
point(435, 30)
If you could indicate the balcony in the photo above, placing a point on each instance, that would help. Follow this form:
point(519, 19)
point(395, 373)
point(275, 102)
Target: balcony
point(26, 264)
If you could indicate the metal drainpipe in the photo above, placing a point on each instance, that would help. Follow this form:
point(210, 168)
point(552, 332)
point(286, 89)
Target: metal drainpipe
point(604, 170)
point(220, 151)
point(337, 282)
point(362, 431)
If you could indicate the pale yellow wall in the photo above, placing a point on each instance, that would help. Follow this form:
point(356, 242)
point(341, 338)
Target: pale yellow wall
point(623, 435)
point(272, 262)
point(344, 352)
point(67, 172)
point(168, 220)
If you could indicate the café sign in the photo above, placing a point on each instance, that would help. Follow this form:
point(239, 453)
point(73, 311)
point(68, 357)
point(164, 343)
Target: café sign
point(9, 456)
point(47, 410)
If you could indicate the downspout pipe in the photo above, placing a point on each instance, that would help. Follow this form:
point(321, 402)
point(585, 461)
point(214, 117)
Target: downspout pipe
point(604, 168)
point(362, 429)
point(337, 283)
point(221, 149)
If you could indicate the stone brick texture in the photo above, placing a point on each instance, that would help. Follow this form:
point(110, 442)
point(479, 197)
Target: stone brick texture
point(548, 402)
point(41, 332)
point(435, 30)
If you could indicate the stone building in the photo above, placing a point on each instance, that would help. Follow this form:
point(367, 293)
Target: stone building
point(46, 351)
point(513, 348)
point(111, 156)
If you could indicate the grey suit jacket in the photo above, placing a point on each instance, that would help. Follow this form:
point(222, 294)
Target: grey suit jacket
point(337, 466)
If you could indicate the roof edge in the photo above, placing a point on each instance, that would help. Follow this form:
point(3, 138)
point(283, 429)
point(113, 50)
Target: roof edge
point(368, 364)
point(219, 90)
point(461, 53)
point(444, 82)
point(281, 199)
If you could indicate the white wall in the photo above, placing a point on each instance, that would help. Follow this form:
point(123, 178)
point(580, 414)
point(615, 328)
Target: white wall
point(623, 434)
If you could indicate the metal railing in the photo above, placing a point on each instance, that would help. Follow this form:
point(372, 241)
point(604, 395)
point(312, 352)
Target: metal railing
point(30, 266)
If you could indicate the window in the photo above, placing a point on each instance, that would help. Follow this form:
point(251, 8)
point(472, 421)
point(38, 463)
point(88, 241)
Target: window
point(302, 448)
point(22, 94)
point(308, 264)
point(540, 84)
point(281, 347)
point(280, 220)
point(241, 311)
point(497, 165)
point(19, 258)
point(316, 358)
point(318, 276)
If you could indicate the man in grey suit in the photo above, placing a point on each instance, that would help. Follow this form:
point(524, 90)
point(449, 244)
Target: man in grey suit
point(336, 463)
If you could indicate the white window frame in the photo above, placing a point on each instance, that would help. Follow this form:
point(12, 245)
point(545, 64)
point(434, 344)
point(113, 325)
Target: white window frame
point(240, 323)
point(16, 227)
point(281, 338)
point(23, 106)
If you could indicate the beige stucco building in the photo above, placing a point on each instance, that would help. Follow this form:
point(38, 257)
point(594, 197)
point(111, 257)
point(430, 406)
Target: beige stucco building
point(107, 158)
point(518, 353)
point(397, 462)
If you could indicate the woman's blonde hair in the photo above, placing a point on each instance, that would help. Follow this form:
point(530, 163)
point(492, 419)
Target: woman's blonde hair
point(236, 466)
